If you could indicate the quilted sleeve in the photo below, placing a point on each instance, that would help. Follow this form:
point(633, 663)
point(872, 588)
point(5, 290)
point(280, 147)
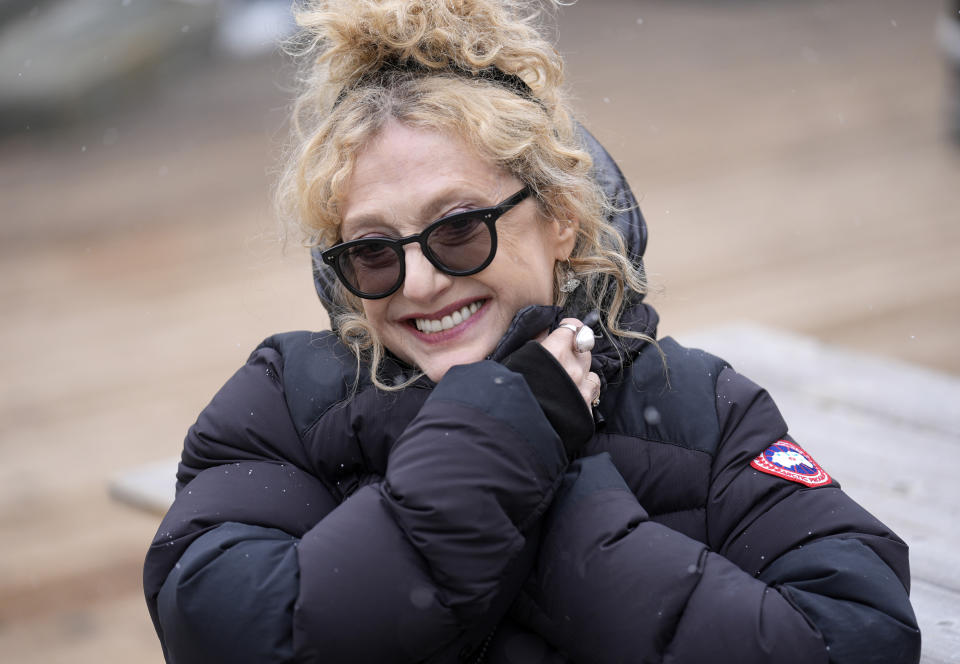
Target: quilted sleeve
point(444, 542)
point(791, 573)
point(256, 561)
point(794, 529)
point(243, 494)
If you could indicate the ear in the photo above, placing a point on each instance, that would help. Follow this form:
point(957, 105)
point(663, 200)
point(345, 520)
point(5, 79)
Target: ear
point(564, 236)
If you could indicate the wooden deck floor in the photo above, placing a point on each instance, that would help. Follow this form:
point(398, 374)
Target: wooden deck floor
point(792, 165)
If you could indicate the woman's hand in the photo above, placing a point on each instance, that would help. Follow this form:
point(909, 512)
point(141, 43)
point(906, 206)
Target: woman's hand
point(560, 344)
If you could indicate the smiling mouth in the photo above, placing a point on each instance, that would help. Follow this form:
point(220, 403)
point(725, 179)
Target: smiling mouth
point(434, 325)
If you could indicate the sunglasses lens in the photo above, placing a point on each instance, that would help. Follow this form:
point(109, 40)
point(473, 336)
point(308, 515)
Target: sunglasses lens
point(372, 268)
point(461, 244)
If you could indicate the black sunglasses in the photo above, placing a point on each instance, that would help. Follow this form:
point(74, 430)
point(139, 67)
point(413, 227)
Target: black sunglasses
point(459, 245)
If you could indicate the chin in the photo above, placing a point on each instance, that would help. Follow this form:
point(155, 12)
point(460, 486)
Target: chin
point(437, 367)
point(436, 371)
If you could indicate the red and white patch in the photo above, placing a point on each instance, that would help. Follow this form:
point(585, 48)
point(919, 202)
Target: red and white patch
point(789, 461)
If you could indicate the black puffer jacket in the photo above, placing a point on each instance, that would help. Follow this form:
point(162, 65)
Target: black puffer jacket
point(447, 522)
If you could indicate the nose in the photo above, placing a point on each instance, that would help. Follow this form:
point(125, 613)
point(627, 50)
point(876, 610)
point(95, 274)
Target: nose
point(423, 282)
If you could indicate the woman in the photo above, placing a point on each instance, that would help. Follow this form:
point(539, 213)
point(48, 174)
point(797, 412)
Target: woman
point(462, 470)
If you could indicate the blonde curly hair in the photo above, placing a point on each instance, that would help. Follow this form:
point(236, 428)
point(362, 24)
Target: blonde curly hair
point(427, 64)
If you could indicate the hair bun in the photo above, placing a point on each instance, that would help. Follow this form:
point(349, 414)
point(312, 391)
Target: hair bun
point(355, 39)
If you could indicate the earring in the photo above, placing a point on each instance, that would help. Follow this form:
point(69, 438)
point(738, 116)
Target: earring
point(571, 283)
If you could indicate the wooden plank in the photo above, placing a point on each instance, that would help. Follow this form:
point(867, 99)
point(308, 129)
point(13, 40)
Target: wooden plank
point(890, 388)
point(938, 611)
point(148, 487)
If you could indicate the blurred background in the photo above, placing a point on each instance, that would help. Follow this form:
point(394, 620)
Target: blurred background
point(798, 164)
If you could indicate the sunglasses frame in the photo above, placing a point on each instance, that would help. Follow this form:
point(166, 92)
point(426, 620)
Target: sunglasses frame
point(488, 216)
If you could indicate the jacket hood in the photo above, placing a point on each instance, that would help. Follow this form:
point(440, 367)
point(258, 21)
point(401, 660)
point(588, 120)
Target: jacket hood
point(627, 219)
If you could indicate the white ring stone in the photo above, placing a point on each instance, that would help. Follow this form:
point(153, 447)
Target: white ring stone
point(584, 340)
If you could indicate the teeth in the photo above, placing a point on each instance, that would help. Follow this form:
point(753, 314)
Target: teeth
point(433, 325)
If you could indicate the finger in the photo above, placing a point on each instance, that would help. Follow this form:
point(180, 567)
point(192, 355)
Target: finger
point(561, 344)
point(590, 388)
point(559, 337)
point(564, 337)
point(561, 347)
point(570, 325)
point(583, 336)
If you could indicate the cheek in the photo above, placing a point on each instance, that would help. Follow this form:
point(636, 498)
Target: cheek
point(525, 253)
point(375, 311)
point(508, 250)
point(526, 272)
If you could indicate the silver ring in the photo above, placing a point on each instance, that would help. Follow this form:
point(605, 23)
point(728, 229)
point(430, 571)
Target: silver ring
point(570, 326)
point(583, 341)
